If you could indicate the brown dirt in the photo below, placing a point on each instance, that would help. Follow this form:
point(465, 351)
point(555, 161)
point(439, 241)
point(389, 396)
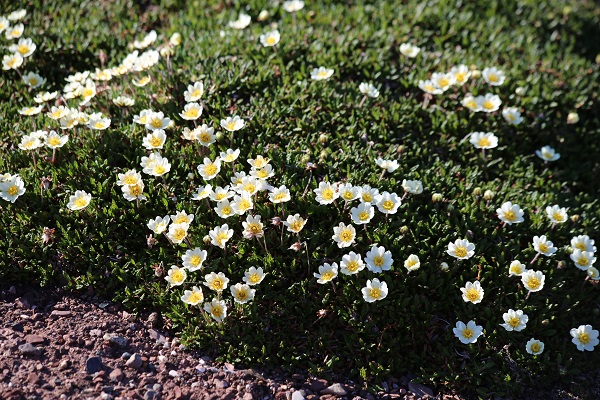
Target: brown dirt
point(56, 346)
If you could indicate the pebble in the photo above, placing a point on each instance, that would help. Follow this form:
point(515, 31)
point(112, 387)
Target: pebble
point(151, 395)
point(116, 375)
point(419, 390)
point(60, 313)
point(335, 389)
point(316, 385)
point(93, 365)
point(173, 373)
point(30, 350)
point(135, 361)
point(298, 395)
point(220, 384)
point(117, 340)
point(125, 356)
point(64, 364)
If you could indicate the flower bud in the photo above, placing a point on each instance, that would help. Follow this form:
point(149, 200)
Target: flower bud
point(437, 197)
point(572, 118)
point(400, 149)
point(175, 39)
point(190, 176)
point(264, 14)
point(304, 159)
point(206, 239)
point(488, 195)
point(444, 266)
point(546, 322)
point(323, 138)
point(476, 74)
point(575, 217)
point(219, 136)
point(561, 265)
point(166, 52)
point(520, 91)
point(477, 191)
point(403, 230)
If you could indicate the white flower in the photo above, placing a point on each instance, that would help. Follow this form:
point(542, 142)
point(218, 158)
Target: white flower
point(543, 245)
point(583, 243)
point(30, 142)
point(461, 249)
point(155, 165)
point(205, 135)
point(409, 50)
point(516, 268)
point(216, 281)
point(593, 273)
point(584, 337)
point(368, 194)
point(461, 74)
point(176, 276)
point(193, 259)
point(280, 195)
point(326, 193)
point(547, 153)
point(221, 193)
point(224, 209)
point(230, 155)
point(11, 188)
point(368, 89)
point(253, 227)
point(157, 120)
point(25, 47)
point(191, 111)
point(388, 165)
point(378, 259)
point(412, 263)
point(533, 280)
point(557, 214)
point(493, 76)
point(79, 200)
point(193, 297)
point(443, 80)
point(242, 293)
point(484, 140)
point(429, 87)
point(146, 41)
point(534, 347)
point(17, 15)
point(217, 309)
point(242, 22)
point(178, 232)
point(471, 103)
point(202, 192)
point(98, 123)
point(194, 92)
point(12, 61)
point(583, 259)
point(134, 192)
point(375, 290)
point(209, 169)
point(327, 272)
point(242, 203)
point(510, 213)
point(514, 320)
point(123, 101)
point(344, 235)
point(351, 264)
point(294, 223)
point(33, 80)
point(362, 214)
point(293, 5)
point(182, 217)
point(472, 292)
point(143, 117)
point(131, 177)
point(467, 333)
point(321, 73)
point(489, 102)
point(29, 111)
point(388, 203)
point(220, 235)
point(155, 139)
point(512, 115)
point(159, 224)
point(233, 124)
point(254, 276)
point(14, 32)
point(270, 38)
point(412, 187)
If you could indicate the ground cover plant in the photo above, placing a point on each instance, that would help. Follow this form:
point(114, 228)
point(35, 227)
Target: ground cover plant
point(359, 188)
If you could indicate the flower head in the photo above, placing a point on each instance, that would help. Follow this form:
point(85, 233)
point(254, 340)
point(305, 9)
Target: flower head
point(209, 169)
point(467, 333)
point(516, 268)
point(510, 213)
point(253, 227)
point(344, 235)
point(484, 140)
point(233, 124)
point(489, 102)
point(154, 139)
point(178, 232)
point(280, 195)
point(534, 347)
point(412, 187)
point(321, 73)
point(461, 74)
point(583, 259)
point(547, 153)
point(412, 263)
point(443, 81)
point(54, 141)
point(79, 200)
point(461, 249)
point(327, 272)
point(368, 89)
point(533, 280)
point(176, 276)
point(557, 214)
point(254, 276)
point(326, 193)
point(194, 92)
point(217, 309)
point(375, 290)
point(583, 243)
point(388, 165)
point(512, 115)
point(216, 281)
point(362, 214)
point(388, 203)
point(493, 76)
point(242, 22)
point(351, 264)
point(472, 292)
point(294, 223)
point(514, 320)
point(220, 235)
point(543, 245)
point(270, 39)
point(11, 188)
point(193, 297)
point(193, 259)
point(379, 259)
point(293, 5)
point(428, 86)
point(584, 337)
point(159, 224)
point(242, 293)
point(157, 120)
point(409, 50)
point(191, 111)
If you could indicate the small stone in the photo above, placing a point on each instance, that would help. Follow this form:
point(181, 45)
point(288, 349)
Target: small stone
point(125, 356)
point(22, 303)
point(316, 385)
point(32, 378)
point(173, 373)
point(93, 365)
point(119, 341)
point(35, 339)
point(96, 332)
point(60, 313)
point(64, 364)
point(336, 389)
point(157, 387)
point(298, 395)
point(419, 390)
point(135, 361)
point(151, 395)
point(230, 367)
point(30, 350)
point(154, 320)
point(156, 335)
point(116, 375)
point(248, 396)
point(220, 384)
point(108, 389)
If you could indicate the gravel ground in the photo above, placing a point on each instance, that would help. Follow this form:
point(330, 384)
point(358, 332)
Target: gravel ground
point(56, 346)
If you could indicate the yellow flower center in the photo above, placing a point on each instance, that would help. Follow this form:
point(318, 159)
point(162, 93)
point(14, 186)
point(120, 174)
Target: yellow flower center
point(388, 205)
point(430, 88)
point(468, 333)
point(543, 247)
point(177, 276)
point(217, 311)
point(196, 93)
point(222, 237)
point(204, 137)
point(80, 202)
point(327, 276)
point(378, 261)
point(250, 188)
point(143, 81)
point(443, 82)
point(143, 119)
point(33, 81)
point(210, 169)
point(348, 195)
point(226, 210)
point(254, 278)
point(99, 125)
point(13, 190)
point(296, 226)
point(584, 338)
point(191, 113)
point(472, 294)
point(179, 234)
point(411, 263)
point(230, 126)
point(535, 347)
point(363, 216)
point(484, 142)
point(155, 141)
point(217, 284)
point(580, 246)
point(534, 282)
point(220, 196)
point(493, 78)
point(514, 322)
point(375, 293)
point(23, 49)
point(242, 294)
point(195, 297)
point(195, 260)
point(557, 217)
point(130, 180)
point(88, 92)
point(510, 117)
point(135, 190)
point(583, 261)
point(261, 173)
point(352, 266)
point(515, 269)
point(254, 228)
point(327, 194)
point(367, 198)
point(322, 74)
point(279, 196)
point(182, 219)
point(460, 76)
point(488, 105)
point(346, 235)
point(156, 123)
point(244, 205)
point(271, 40)
point(460, 251)
point(472, 104)
point(159, 169)
point(510, 215)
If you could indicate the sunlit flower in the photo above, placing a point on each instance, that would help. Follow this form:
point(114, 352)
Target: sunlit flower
point(233, 124)
point(217, 309)
point(351, 264)
point(182, 217)
point(176, 276)
point(131, 177)
point(461, 249)
point(230, 155)
point(253, 227)
point(224, 209)
point(154, 139)
point(203, 192)
point(293, 5)
point(157, 120)
point(412, 187)
point(191, 111)
point(142, 81)
point(99, 123)
point(512, 115)
point(412, 263)
point(220, 235)
point(29, 111)
point(429, 87)
point(378, 259)
point(489, 102)
point(326, 193)
point(242, 203)
point(583, 243)
point(216, 281)
point(493, 76)
point(280, 195)
point(254, 276)
point(205, 135)
point(471, 103)
point(178, 232)
point(11, 188)
point(156, 165)
point(483, 140)
point(388, 165)
point(123, 101)
point(159, 225)
point(270, 38)
point(17, 15)
point(134, 192)
point(12, 61)
point(362, 214)
point(101, 74)
point(543, 245)
point(294, 223)
point(209, 169)
point(583, 259)
point(388, 203)
point(472, 292)
point(146, 41)
point(593, 273)
point(557, 214)
point(242, 293)
point(242, 22)
point(193, 259)
point(4, 23)
point(14, 32)
point(30, 142)
point(533, 280)
point(344, 235)
point(327, 272)
point(368, 89)
point(510, 213)
point(143, 117)
point(265, 172)
point(514, 320)
point(468, 333)
point(250, 185)
point(348, 192)
point(221, 193)
point(547, 153)
point(443, 80)
point(368, 194)
point(374, 290)
point(409, 50)
point(584, 337)
point(194, 92)
point(321, 73)
point(79, 200)
point(193, 297)
point(534, 347)
point(33, 80)
point(461, 73)
point(258, 162)
point(516, 268)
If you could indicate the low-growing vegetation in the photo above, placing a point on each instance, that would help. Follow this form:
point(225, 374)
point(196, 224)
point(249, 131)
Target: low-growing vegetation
point(360, 188)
